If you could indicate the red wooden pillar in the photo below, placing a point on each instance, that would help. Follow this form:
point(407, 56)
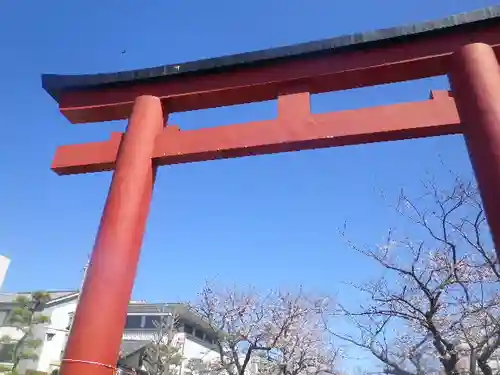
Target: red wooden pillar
point(95, 339)
point(475, 81)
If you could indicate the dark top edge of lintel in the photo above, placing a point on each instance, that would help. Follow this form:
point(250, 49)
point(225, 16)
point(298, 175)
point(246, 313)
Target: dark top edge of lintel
point(56, 84)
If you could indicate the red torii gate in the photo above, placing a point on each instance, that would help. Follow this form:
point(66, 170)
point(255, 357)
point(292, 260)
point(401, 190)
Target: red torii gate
point(462, 46)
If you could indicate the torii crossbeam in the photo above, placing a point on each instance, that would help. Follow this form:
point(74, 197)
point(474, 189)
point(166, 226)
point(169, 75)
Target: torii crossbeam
point(464, 47)
point(295, 129)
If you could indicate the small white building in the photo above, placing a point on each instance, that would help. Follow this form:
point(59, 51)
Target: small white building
point(192, 336)
point(4, 266)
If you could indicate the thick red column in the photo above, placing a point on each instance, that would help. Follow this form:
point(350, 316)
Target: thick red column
point(475, 81)
point(94, 343)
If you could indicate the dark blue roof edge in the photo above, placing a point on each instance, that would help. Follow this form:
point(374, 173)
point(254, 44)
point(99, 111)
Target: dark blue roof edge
point(55, 84)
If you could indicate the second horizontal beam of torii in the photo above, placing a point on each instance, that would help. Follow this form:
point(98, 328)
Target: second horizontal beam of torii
point(294, 129)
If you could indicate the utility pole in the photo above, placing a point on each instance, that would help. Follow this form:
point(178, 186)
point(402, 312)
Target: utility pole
point(85, 268)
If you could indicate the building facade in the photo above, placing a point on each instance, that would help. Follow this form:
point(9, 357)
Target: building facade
point(192, 335)
point(4, 266)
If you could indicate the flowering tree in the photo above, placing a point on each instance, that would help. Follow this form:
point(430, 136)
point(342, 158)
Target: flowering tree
point(281, 333)
point(436, 307)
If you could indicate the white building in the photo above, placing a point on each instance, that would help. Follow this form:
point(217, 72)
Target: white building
point(4, 266)
point(192, 338)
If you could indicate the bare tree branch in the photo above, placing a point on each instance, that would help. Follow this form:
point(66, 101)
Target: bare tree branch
point(437, 303)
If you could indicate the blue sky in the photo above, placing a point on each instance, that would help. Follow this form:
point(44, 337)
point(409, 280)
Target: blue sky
point(267, 221)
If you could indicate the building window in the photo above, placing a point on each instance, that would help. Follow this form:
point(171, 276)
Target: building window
point(153, 321)
point(6, 352)
point(4, 315)
point(134, 322)
point(209, 339)
point(50, 336)
point(188, 329)
point(199, 334)
point(70, 320)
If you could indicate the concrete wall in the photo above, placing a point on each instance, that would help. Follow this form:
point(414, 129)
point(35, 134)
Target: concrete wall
point(56, 335)
point(193, 348)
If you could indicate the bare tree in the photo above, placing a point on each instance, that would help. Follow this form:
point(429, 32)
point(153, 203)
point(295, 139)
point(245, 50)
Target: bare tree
point(436, 307)
point(273, 333)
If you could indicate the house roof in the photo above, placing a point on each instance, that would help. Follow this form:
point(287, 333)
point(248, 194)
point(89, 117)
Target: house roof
point(55, 85)
point(57, 296)
point(54, 295)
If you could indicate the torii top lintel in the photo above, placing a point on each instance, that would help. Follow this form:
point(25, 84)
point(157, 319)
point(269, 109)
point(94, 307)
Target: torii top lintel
point(383, 56)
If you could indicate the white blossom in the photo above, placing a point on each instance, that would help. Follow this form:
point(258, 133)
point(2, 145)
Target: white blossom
point(274, 333)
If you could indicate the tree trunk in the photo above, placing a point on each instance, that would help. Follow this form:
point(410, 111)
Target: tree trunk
point(473, 362)
point(485, 367)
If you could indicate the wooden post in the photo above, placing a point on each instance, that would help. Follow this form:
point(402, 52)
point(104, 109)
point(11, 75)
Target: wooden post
point(94, 344)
